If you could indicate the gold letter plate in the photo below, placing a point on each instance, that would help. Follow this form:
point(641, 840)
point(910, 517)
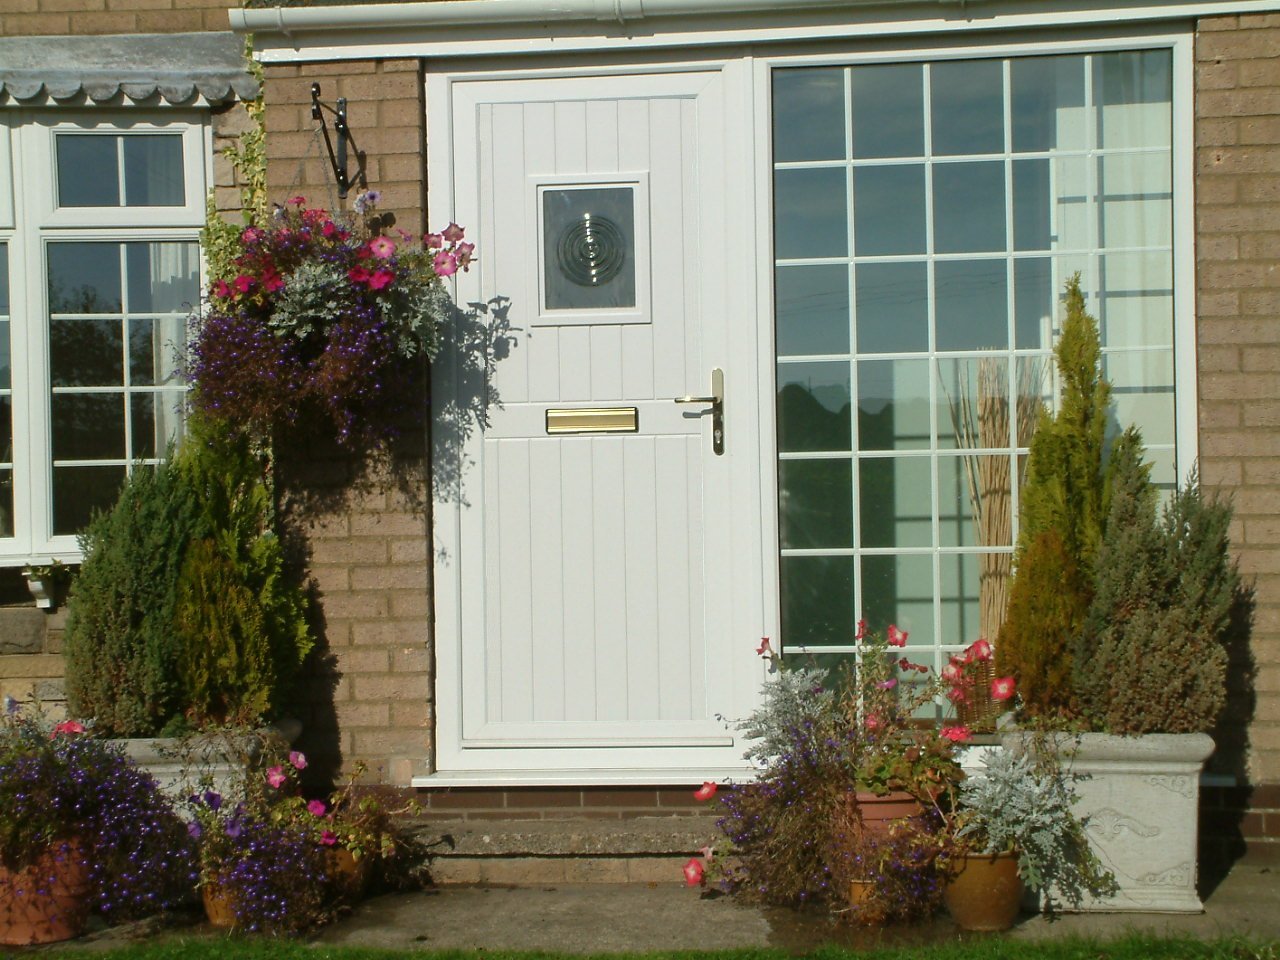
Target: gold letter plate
point(593, 420)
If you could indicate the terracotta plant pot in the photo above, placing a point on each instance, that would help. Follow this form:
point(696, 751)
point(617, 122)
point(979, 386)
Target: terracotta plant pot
point(219, 908)
point(878, 814)
point(865, 907)
point(47, 901)
point(985, 892)
point(348, 875)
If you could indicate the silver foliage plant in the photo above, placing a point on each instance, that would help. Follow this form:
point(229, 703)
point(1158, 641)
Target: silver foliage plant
point(791, 700)
point(1023, 802)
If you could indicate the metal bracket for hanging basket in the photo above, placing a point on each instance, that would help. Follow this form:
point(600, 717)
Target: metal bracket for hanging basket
point(342, 133)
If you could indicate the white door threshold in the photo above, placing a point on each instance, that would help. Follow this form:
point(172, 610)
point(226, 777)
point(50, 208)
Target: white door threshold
point(580, 778)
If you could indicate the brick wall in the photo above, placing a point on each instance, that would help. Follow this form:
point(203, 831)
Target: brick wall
point(29, 18)
point(1238, 333)
point(362, 530)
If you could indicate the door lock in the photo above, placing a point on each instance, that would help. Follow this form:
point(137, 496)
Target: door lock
point(717, 409)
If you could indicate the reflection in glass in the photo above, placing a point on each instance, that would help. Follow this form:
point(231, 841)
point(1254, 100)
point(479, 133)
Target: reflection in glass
point(889, 210)
point(163, 277)
point(968, 207)
point(967, 107)
point(808, 114)
point(1047, 96)
point(6, 375)
point(955, 517)
point(88, 426)
point(895, 500)
point(893, 307)
point(972, 309)
point(1033, 303)
point(153, 170)
point(898, 589)
point(1136, 193)
point(78, 491)
point(961, 607)
point(1134, 90)
point(893, 405)
point(812, 309)
point(1032, 217)
point(810, 214)
point(6, 503)
point(4, 279)
point(142, 426)
point(84, 277)
point(815, 503)
point(85, 353)
point(814, 401)
point(888, 111)
point(588, 248)
point(88, 170)
point(817, 600)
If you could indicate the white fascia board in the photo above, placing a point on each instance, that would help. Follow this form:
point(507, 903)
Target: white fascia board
point(460, 28)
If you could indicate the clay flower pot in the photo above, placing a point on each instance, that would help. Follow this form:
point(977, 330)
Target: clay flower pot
point(219, 908)
point(866, 908)
point(985, 892)
point(347, 874)
point(878, 814)
point(46, 901)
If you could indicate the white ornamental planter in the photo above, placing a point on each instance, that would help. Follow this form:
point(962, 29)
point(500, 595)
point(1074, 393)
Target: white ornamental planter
point(1141, 796)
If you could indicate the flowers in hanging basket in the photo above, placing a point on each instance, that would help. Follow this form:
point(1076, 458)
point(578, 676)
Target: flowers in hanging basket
point(974, 689)
point(326, 315)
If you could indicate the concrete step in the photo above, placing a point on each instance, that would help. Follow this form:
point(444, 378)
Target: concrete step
point(572, 850)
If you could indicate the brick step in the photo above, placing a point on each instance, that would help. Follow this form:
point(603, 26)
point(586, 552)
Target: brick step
point(571, 850)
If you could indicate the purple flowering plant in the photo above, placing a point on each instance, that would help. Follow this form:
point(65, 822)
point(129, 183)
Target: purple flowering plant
point(327, 315)
point(60, 786)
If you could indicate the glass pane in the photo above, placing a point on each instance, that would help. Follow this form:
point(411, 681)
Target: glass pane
point(6, 503)
point(956, 510)
point(88, 426)
point(1047, 96)
point(968, 207)
point(888, 212)
point(84, 277)
point(78, 491)
point(893, 405)
point(975, 501)
point(1137, 300)
point(961, 616)
point(1032, 205)
point(86, 353)
point(1142, 389)
point(1136, 193)
point(815, 503)
point(153, 170)
point(888, 111)
point(893, 307)
point(809, 208)
point(817, 600)
point(6, 374)
point(589, 248)
point(814, 401)
point(1134, 91)
point(142, 424)
point(971, 304)
point(6, 430)
point(1033, 300)
point(812, 309)
point(895, 501)
point(155, 350)
point(973, 403)
point(4, 279)
point(808, 114)
point(168, 406)
point(163, 277)
point(88, 170)
point(899, 590)
point(967, 99)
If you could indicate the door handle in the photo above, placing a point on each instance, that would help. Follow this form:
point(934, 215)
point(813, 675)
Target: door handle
point(717, 409)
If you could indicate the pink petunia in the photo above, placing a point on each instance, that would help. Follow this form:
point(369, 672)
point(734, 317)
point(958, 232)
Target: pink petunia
point(957, 734)
point(242, 283)
point(222, 289)
point(979, 650)
point(380, 278)
point(706, 791)
point(382, 247)
point(276, 777)
point(693, 873)
point(316, 808)
point(445, 264)
point(68, 726)
point(328, 228)
point(861, 633)
point(272, 281)
point(897, 638)
point(1002, 688)
point(464, 253)
point(433, 241)
point(872, 722)
point(358, 275)
point(957, 695)
point(328, 838)
point(298, 759)
point(298, 201)
point(252, 234)
point(452, 233)
point(764, 649)
point(887, 684)
point(952, 673)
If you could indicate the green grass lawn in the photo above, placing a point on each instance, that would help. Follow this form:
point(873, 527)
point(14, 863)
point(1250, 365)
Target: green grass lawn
point(987, 948)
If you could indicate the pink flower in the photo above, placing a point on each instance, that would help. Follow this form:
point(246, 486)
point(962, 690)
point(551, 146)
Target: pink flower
point(707, 852)
point(705, 792)
point(298, 759)
point(68, 726)
point(358, 275)
point(958, 734)
point(316, 808)
point(1002, 688)
point(952, 672)
point(888, 684)
point(445, 264)
point(693, 873)
point(861, 633)
point(872, 722)
point(222, 289)
point(298, 201)
point(452, 233)
point(328, 228)
point(328, 838)
point(897, 638)
point(979, 650)
point(433, 241)
point(276, 777)
point(957, 695)
point(242, 283)
point(380, 278)
point(272, 281)
point(764, 649)
point(251, 234)
point(464, 252)
point(382, 247)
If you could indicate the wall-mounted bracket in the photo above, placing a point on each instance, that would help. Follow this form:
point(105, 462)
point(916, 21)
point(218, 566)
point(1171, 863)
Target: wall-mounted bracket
point(342, 133)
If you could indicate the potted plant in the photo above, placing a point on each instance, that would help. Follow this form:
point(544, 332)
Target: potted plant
point(47, 582)
point(1115, 632)
point(81, 828)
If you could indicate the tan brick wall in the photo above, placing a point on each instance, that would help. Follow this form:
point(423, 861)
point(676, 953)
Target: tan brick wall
point(29, 18)
point(1238, 329)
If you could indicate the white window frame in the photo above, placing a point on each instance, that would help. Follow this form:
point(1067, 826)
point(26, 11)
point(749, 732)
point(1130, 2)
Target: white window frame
point(26, 147)
point(1180, 44)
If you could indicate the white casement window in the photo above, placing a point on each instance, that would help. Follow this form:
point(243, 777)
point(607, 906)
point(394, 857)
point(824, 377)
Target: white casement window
point(99, 269)
point(927, 214)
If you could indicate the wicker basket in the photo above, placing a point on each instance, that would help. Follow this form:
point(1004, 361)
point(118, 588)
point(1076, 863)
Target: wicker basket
point(977, 710)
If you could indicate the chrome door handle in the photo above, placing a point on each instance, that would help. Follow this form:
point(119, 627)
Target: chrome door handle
point(717, 409)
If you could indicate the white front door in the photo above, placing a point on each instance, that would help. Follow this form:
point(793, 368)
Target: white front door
point(599, 585)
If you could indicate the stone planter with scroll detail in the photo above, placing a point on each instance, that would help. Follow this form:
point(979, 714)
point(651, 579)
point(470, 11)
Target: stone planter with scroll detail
point(1141, 796)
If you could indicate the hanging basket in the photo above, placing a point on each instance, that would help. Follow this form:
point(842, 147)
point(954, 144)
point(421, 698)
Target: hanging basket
point(977, 710)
